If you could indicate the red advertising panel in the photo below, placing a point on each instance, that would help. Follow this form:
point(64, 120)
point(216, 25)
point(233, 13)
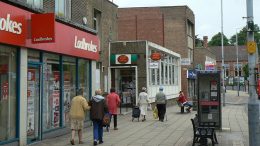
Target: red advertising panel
point(12, 25)
point(43, 28)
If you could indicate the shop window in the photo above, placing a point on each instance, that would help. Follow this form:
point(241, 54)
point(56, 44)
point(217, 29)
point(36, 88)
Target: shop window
point(8, 100)
point(33, 56)
point(51, 92)
point(84, 79)
point(69, 87)
point(162, 72)
point(63, 8)
point(35, 3)
point(170, 74)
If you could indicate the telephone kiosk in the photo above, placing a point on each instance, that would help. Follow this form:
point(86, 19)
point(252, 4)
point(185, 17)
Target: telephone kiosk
point(209, 96)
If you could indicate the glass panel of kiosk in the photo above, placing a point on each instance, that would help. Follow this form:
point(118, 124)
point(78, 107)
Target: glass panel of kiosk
point(209, 97)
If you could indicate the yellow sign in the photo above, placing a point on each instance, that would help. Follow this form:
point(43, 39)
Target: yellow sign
point(251, 47)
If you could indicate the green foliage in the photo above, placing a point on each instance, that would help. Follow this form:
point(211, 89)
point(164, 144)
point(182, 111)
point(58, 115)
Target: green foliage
point(246, 71)
point(242, 36)
point(216, 40)
point(198, 42)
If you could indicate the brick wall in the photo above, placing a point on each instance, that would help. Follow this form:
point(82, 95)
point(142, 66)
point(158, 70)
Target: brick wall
point(165, 26)
point(107, 31)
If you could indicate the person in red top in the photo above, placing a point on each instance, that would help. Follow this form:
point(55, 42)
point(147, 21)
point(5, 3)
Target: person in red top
point(113, 102)
point(184, 101)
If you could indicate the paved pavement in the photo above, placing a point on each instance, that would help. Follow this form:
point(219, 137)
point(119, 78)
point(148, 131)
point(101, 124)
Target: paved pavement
point(176, 131)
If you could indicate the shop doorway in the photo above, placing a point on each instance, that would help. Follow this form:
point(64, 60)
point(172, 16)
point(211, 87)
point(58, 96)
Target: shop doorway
point(33, 103)
point(124, 79)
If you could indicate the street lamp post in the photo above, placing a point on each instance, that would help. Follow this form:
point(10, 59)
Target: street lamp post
point(237, 65)
point(222, 50)
point(253, 106)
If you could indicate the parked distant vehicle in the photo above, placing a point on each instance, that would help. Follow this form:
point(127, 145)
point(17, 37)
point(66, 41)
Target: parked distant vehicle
point(258, 88)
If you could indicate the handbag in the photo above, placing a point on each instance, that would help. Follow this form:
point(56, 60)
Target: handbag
point(106, 119)
point(155, 113)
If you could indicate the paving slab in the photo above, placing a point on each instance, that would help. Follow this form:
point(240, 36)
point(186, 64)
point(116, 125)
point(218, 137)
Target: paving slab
point(176, 131)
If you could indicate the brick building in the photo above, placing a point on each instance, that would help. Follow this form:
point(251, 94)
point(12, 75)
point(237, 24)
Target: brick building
point(230, 59)
point(171, 27)
point(204, 55)
point(40, 75)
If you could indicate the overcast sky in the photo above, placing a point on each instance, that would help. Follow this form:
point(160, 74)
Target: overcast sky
point(207, 13)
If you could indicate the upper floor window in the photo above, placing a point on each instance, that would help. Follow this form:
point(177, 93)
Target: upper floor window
point(190, 37)
point(35, 3)
point(96, 19)
point(63, 8)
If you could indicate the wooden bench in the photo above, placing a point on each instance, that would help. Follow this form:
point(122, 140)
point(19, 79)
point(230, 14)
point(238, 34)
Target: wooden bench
point(202, 131)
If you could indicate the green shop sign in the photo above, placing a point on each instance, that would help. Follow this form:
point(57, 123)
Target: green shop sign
point(123, 59)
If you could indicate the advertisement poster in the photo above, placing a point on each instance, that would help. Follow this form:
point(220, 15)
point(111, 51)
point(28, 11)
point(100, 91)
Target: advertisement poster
point(5, 90)
point(213, 85)
point(56, 81)
point(56, 108)
point(67, 100)
point(30, 101)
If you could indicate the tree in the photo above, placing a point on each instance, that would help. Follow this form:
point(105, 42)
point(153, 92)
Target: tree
point(216, 40)
point(198, 41)
point(242, 36)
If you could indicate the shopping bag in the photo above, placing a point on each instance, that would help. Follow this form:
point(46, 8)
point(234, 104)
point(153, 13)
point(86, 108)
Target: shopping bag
point(106, 119)
point(155, 113)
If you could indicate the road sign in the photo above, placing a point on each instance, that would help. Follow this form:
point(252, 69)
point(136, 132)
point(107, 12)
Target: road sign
point(251, 47)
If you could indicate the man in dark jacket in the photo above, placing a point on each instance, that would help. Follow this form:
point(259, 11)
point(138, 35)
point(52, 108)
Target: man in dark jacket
point(97, 112)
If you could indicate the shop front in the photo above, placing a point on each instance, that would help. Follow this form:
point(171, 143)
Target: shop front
point(138, 64)
point(40, 74)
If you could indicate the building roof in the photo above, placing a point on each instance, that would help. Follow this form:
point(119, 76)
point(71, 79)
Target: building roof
point(230, 53)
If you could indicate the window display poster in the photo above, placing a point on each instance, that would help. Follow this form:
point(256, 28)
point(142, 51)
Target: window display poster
point(30, 106)
point(56, 108)
point(56, 81)
point(4, 90)
point(67, 100)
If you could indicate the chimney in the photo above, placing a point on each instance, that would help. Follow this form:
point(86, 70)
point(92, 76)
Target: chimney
point(205, 41)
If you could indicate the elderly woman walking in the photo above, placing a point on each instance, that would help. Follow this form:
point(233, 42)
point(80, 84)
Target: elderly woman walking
point(77, 115)
point(143, 102)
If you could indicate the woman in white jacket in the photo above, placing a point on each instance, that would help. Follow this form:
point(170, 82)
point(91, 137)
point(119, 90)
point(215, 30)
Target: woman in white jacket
point(143, 102)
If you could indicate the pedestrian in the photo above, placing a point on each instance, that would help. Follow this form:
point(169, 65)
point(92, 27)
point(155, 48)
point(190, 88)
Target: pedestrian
point(160, 100)
point(113, 102)
point(79, 105)
point(184, 101)
point(97, 112)
point(143, 102)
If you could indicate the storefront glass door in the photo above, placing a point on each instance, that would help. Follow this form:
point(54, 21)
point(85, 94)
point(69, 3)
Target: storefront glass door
point(33, 102)
point(124, 81)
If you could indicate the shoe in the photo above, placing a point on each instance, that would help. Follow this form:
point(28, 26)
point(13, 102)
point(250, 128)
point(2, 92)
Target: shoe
point(143, 120)
point(188, 110)
point(115, 128)
point(81, 142)
point(95, 142)
point(72, 142)
point(101, 141)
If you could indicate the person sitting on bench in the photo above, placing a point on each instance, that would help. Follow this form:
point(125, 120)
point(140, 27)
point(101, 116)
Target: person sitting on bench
point(184, 101)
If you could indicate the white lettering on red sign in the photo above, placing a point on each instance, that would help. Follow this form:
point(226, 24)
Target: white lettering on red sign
point(6, 24)
point(82, 44)
point(41, 39)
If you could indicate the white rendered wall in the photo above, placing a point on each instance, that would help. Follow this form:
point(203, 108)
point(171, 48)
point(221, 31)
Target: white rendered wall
point(23, 97)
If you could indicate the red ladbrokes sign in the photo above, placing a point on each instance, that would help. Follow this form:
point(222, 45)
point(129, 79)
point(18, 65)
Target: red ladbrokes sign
point(12, 26)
